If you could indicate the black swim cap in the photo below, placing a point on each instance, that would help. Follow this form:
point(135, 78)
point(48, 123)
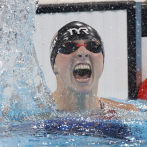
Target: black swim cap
point(74, 30)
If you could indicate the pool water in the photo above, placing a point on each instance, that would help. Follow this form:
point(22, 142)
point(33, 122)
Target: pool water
point(78, 131)
point(131, 133)
point(64, 140)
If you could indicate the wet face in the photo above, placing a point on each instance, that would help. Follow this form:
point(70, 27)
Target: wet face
point(79, 71)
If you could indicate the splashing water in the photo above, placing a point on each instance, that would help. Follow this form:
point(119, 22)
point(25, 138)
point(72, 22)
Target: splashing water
point(23, 91)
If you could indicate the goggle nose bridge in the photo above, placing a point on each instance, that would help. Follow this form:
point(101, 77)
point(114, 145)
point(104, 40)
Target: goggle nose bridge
point(79, 45)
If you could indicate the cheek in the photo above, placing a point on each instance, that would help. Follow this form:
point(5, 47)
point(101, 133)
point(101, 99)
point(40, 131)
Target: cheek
point(98, 61)
point(98, 65)
point(63, 64)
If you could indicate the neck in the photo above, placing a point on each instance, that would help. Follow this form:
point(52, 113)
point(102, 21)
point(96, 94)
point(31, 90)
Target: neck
point(69, 100)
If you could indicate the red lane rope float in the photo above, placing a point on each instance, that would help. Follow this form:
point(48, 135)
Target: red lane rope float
point(142, 94)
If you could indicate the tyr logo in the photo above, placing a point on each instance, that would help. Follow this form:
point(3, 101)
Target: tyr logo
point(85, 30)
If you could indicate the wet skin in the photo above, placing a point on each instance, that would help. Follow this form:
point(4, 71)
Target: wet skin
point(72, 94)
point(65, 64)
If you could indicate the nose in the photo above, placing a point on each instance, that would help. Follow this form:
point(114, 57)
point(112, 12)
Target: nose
point(82, 52)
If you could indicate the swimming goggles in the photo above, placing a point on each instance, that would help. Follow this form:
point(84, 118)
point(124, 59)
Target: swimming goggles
point(70, 47)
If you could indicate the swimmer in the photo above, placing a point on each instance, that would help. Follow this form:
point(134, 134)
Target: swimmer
point(77, 60)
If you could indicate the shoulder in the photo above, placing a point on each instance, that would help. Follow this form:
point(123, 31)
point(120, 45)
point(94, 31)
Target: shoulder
point(112, 103)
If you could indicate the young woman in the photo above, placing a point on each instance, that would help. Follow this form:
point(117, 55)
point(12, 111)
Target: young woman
point(77, 59)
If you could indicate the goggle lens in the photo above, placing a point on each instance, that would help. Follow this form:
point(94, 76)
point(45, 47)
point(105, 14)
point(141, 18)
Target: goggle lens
point(94, 47)
point(70, 47)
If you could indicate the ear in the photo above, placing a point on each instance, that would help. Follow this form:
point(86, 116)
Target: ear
point(55, 69)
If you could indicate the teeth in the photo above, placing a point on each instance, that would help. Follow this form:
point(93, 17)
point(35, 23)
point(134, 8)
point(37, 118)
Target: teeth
point(82, 80)
point(82, 67)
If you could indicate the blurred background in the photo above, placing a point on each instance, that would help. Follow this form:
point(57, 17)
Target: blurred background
point(122, 27)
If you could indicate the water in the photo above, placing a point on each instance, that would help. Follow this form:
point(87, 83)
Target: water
point(21, 76)
point(25, 97)
point(133, 133)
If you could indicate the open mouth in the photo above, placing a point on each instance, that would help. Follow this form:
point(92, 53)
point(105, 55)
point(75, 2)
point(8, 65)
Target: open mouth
point(82, 72)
